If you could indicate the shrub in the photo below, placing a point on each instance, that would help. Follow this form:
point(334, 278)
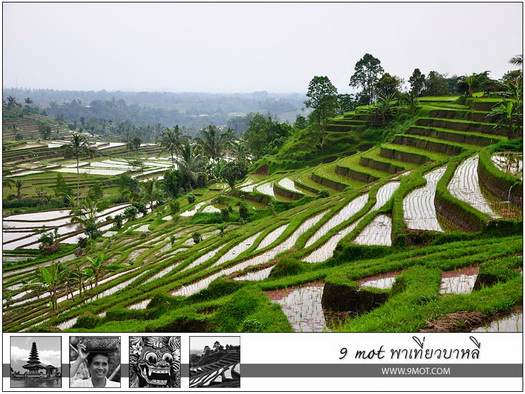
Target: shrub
point(191, 198)
point(131, 213)
point(174, 207)
point(324, 194)
point(243, 211)
point(225, 214)
point(87, 320)
point(252, 325)
point(287, 266)
point(197, 237)
point(118, 221)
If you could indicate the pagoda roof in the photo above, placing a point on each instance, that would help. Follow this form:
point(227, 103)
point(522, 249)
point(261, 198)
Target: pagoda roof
point(34, 366)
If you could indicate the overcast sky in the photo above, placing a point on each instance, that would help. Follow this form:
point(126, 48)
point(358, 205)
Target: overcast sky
point(248, 47)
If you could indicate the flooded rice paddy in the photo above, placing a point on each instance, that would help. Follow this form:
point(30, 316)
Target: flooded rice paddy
point(288, 184)
point(464, 185)
point(458, 282)
point(378, 232)
point(266, 188)
point(256, 275)
point(344, 214)
point(264, 257)
point(418, 206)
point(302, 306)
point(510, 323)
point(509, 162)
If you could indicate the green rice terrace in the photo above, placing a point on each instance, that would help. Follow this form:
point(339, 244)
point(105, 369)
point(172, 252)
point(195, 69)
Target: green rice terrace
point(411, 225)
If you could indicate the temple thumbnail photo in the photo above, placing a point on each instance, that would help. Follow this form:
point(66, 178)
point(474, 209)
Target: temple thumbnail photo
point(35, 362)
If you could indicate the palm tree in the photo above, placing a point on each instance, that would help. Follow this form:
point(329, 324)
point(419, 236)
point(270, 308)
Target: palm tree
point(212, 142)
point(190, 162)
point(78, 146)
point(86, 215)
point(516, 60)
point(18, 185)
point(410, 101)
point(382, 110)
point(150, 192)
point(474, 81)
point(171, 141)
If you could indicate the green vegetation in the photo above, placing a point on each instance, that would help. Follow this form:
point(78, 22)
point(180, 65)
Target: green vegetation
point(204, 239)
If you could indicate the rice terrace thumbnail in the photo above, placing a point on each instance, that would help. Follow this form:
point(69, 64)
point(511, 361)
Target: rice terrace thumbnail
point(391, 203)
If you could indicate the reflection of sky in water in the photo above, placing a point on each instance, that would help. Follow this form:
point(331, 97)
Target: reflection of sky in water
point(380, 283)
point(462, 284)
point(303, 309)
point(512, 323)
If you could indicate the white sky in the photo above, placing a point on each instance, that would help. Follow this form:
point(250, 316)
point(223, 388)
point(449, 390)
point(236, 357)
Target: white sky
point(224, 47)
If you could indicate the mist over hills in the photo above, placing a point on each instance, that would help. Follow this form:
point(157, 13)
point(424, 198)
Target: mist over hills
point(192, 110)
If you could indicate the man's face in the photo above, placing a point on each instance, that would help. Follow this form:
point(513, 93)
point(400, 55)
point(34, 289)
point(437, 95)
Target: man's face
point(99, 366)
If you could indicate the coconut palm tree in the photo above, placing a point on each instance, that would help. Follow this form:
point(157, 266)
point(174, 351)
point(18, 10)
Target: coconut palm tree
point(18, 185)
point(190, 163)
point(151, 192)
point(212, 142)
point(516, 60)
point(86, 215)
point(171, 142)
point(79, 146)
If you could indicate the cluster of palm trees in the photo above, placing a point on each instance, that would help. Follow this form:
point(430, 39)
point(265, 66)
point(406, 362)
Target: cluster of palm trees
point(56, 278)
point(200, 158)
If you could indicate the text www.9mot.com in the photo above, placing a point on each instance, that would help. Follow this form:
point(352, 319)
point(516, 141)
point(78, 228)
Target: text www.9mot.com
point(421, 371)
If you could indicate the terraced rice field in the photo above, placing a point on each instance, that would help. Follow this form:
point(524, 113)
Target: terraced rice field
point(378, 232)
point(418, 206)
point(511, 164)
point(458, 282)
point(157, 258)
point(326, 251)
point(23, 231)
point(302, 307)
point(264, 257)
point(464, 185)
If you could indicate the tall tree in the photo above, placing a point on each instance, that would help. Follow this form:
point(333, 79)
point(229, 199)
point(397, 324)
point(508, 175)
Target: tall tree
point(212, 142)
point(417, 82)
point(232, 171)
point(150, 192)
point(435, 84)
point(171, 141)
point(388, 85)
point(18, 185)
point(265, 135)
point(366, 74)
point(322, 98)
point(190, 163)
point(44, 130)
point(79, 146)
